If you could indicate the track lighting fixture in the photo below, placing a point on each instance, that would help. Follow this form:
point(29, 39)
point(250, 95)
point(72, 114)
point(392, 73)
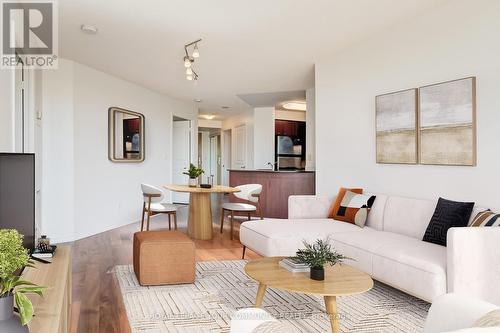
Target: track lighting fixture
point(189, 59)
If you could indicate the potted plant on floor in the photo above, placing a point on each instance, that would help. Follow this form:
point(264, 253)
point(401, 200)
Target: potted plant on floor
point(13, 257)
point(317, 255)
point(193, 172)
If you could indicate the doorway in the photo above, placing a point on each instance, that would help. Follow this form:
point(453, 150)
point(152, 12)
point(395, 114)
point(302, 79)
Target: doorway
point(181, 156)
point(209, 154)
point(226, 157)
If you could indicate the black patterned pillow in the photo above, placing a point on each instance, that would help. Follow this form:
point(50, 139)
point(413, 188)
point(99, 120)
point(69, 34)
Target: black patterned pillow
point(448, 214)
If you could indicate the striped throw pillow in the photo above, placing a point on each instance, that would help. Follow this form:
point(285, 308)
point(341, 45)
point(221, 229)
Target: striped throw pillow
point(486, 219)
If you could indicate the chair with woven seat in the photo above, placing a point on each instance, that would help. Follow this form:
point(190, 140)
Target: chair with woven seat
point(153, 205)
point(251, 194)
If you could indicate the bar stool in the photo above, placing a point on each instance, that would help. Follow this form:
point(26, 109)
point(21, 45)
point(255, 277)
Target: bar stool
point(152, 205)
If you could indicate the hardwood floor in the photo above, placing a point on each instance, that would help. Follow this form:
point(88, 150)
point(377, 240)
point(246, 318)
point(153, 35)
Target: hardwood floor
point(97, 303)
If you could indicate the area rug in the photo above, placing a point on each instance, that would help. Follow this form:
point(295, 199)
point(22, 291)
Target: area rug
point(222, 287)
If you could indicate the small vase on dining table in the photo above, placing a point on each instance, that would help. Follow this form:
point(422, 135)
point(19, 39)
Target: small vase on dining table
point(193, 182)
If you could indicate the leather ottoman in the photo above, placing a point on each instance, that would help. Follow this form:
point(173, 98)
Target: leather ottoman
point(163, 257)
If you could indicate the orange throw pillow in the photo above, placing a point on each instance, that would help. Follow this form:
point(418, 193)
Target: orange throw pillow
point(346, 214)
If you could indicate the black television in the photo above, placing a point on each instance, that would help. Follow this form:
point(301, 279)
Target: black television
point(17, 195)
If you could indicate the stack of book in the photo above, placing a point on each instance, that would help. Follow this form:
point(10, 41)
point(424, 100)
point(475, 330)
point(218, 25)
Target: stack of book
point(47, 254)
point(293, 265)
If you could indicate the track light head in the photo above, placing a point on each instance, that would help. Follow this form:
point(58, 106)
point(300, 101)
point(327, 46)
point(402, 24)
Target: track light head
point(196, 52)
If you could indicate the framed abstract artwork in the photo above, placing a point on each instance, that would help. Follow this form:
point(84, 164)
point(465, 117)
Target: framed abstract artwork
point(396, 127)
point(447, 119)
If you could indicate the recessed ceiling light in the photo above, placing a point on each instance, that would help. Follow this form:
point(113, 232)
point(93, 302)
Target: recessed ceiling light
point(296, 106)
point(208, 116)
point(225, 107)
point(197, 100)
point(89, 29)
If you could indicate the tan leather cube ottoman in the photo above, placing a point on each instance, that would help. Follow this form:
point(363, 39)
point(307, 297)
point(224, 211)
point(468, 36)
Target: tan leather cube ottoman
point(163, 257)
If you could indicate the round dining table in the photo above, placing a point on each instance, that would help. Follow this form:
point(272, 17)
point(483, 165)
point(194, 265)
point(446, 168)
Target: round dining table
point(200, 208)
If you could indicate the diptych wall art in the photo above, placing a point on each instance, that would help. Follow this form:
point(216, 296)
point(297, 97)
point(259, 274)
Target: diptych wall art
point(397, 127)
point(447, 123)
point(435, 124)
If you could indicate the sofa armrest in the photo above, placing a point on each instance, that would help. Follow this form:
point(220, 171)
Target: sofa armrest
point(308, 206)
point(452, 312)
point(246, 320)
point(473, 263)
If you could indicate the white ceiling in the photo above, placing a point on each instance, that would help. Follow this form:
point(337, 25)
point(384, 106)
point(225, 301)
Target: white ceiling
point(248, 47)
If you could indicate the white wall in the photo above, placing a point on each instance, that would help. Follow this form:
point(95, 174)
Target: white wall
point(263, 137)
point(58, 174)
point(209, 123)
point(290, 115)
point(6, 110)
point(245, 118)
point(311, 129)
point(457, 40)
point(101, 195)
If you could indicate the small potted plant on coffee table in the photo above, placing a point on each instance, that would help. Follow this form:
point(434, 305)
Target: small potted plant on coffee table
point(317, 255)
point(193, 172)
point(13, 289)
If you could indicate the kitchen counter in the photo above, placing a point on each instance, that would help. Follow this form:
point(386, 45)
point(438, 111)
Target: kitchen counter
point(277, 186)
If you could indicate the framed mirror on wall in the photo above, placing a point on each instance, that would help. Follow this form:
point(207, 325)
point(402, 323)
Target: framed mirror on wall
point(125, 136)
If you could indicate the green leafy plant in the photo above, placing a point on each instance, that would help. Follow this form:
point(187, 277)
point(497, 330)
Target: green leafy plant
point(193, 171)
point(13, 256)
point(319, 254)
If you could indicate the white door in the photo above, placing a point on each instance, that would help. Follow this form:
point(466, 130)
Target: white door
point(226, 156)
point(181, 157)
point(214, 159)
point(240, 147)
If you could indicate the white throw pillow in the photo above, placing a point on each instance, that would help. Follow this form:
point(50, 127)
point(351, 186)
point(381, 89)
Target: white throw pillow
point(273, 327)
point(491, 319)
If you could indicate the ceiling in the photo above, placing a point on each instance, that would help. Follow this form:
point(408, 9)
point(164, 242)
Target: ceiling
point(249, 46)
point(274, 98)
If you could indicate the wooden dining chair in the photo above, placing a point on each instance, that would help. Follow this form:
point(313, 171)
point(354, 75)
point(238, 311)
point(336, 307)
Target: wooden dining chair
point(251, 194)
point(152, 205)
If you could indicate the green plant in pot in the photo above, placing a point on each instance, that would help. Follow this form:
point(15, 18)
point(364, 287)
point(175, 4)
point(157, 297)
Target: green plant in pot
point(193, 172)
point(317, 255)
point(13, 257)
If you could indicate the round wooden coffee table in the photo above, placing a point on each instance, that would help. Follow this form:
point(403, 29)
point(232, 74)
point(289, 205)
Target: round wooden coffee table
point(200, 208)
point(340, 280)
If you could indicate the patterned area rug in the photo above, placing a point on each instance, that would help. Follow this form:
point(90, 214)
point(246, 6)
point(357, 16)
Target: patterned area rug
point(222, 287)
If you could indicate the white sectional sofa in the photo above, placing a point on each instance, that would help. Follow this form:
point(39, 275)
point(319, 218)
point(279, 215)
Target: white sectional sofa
point(390, 246)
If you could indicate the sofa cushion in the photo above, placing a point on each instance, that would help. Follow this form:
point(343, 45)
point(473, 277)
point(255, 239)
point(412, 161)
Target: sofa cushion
point(413, 252)
point(276, 237)
point(375, 219)
point(448, 214)
point(407, 216)
point(413, 265)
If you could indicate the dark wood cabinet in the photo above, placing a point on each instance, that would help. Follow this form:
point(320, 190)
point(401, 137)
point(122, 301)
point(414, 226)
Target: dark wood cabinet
point(290, 128)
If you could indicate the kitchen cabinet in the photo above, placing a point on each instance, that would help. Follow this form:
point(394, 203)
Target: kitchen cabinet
point(290, 128)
